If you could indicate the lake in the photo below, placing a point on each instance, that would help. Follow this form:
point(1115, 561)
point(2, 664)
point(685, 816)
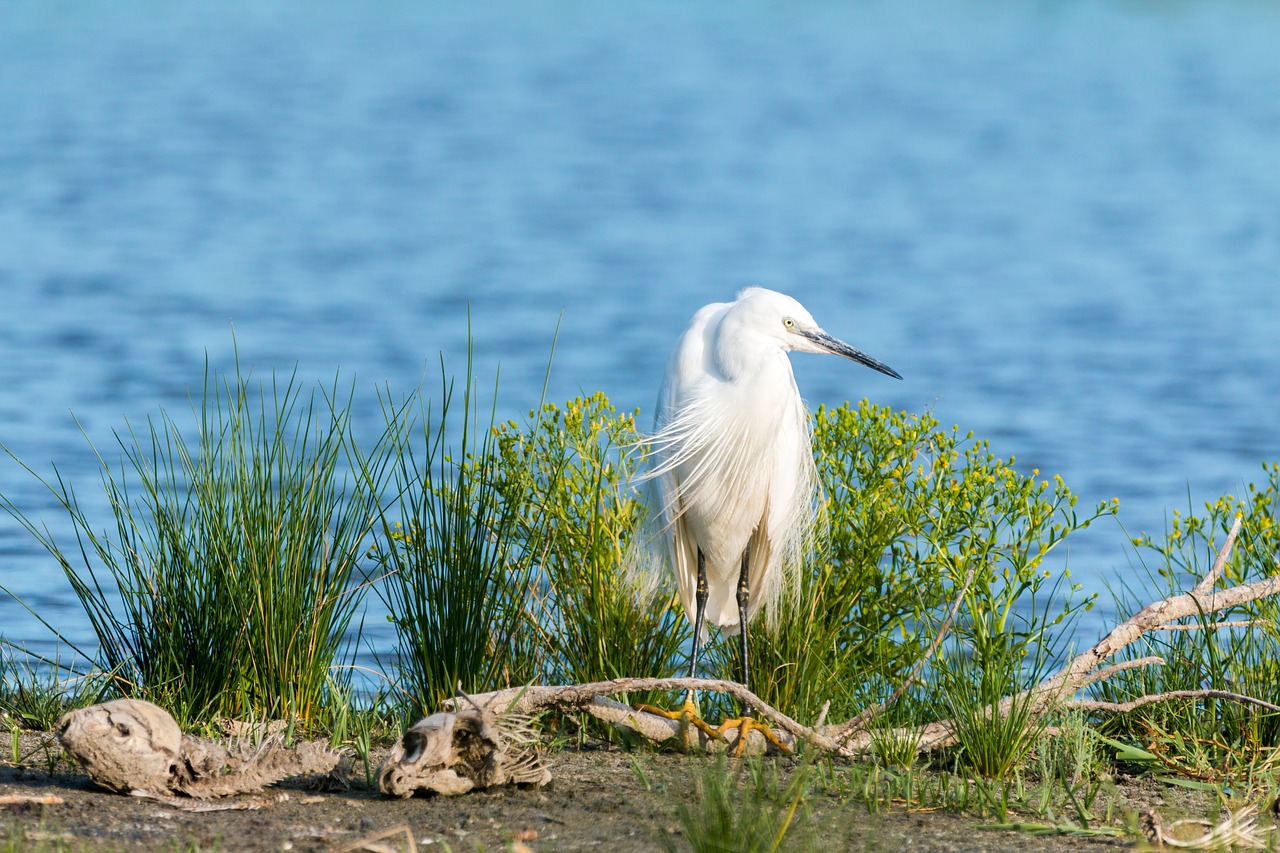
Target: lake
point(1060, 222)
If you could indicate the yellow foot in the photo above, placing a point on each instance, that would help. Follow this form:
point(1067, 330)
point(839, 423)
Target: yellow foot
point(688, 716)
point(745, 725)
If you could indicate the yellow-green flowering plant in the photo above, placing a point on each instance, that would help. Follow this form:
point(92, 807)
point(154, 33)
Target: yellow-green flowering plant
point(912, 511)
point(1236, 651)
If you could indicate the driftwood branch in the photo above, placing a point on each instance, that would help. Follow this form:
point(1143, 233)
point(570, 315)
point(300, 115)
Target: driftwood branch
point(1200, 601)
point(852, 737)
point(1207, 582)
point(1213, 626)
point(1170, 696)
point(594, 699)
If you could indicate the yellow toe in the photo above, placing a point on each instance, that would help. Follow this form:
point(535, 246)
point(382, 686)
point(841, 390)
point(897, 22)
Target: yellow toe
point(687, 716)
point(745, 725)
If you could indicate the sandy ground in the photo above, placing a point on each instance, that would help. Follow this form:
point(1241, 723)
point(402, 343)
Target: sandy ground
point(597, 801)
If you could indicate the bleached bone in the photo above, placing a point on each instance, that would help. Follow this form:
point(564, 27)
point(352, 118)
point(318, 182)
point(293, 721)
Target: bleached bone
point(452, 753)
point(134, 747)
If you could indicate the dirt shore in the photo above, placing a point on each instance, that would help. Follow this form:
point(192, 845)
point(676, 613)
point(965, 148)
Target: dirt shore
point(597, 801)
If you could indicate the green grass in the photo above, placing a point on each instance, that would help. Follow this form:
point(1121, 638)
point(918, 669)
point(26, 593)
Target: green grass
point(510, 564)
point(1212, 740)
point(33, 695)
point(571, 472)
point(48, 841)
point(747, 806)
point(21, 843)
point(450, 571)
point(1063, 786)
point(229, 579)
point(993, 738)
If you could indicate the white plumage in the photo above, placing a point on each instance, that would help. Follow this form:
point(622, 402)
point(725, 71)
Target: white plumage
point(731, 457)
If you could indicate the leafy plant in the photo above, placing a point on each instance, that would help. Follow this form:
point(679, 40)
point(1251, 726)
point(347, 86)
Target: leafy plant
point(1069, 756)
point(570, 472)
point(984, 694)
point(912, 511)
point(359, 722)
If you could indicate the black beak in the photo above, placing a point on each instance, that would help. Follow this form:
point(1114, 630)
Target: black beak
point(839, 347)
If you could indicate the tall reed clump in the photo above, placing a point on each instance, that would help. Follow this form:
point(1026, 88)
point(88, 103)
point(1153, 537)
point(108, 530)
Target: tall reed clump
point(229, 582)
point(571, 472)
point(1236, 651)
point(456, 566)
point(911, 512)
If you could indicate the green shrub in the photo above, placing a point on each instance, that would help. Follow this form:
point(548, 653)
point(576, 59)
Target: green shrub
point(513, 566)
point(507, 561)
point(910, 511)
point(570, 472)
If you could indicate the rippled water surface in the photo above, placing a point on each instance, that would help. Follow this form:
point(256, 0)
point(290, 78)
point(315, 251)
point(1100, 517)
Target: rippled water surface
point(1060, 222)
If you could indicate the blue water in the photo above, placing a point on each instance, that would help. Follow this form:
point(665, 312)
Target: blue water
point(1060, 222)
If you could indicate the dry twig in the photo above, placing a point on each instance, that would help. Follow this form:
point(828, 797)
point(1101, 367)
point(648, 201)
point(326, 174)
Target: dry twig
point(380, 842)
point(1172, 695)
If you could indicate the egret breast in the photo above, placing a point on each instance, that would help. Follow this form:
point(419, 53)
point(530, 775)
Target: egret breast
point(747, 474)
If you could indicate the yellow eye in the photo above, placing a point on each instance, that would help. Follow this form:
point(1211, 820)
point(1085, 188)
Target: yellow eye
point(788, 322)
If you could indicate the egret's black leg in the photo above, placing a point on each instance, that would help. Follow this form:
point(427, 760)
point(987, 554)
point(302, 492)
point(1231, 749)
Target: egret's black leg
point(699, 613)
point(745, 723)
point(688, 714)
point(743, 589)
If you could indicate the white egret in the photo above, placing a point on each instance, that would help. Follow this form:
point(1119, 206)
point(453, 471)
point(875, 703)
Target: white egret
point(732, 465)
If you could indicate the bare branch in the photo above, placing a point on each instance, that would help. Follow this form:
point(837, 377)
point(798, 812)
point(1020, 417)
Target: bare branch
point(1206, 585)
point(592, 698)
point(1124, 665)
point(1172, 695)
point(1209, 626)
point(1070, 678)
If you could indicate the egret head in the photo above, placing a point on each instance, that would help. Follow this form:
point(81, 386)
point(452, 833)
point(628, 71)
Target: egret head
point(784, 320)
